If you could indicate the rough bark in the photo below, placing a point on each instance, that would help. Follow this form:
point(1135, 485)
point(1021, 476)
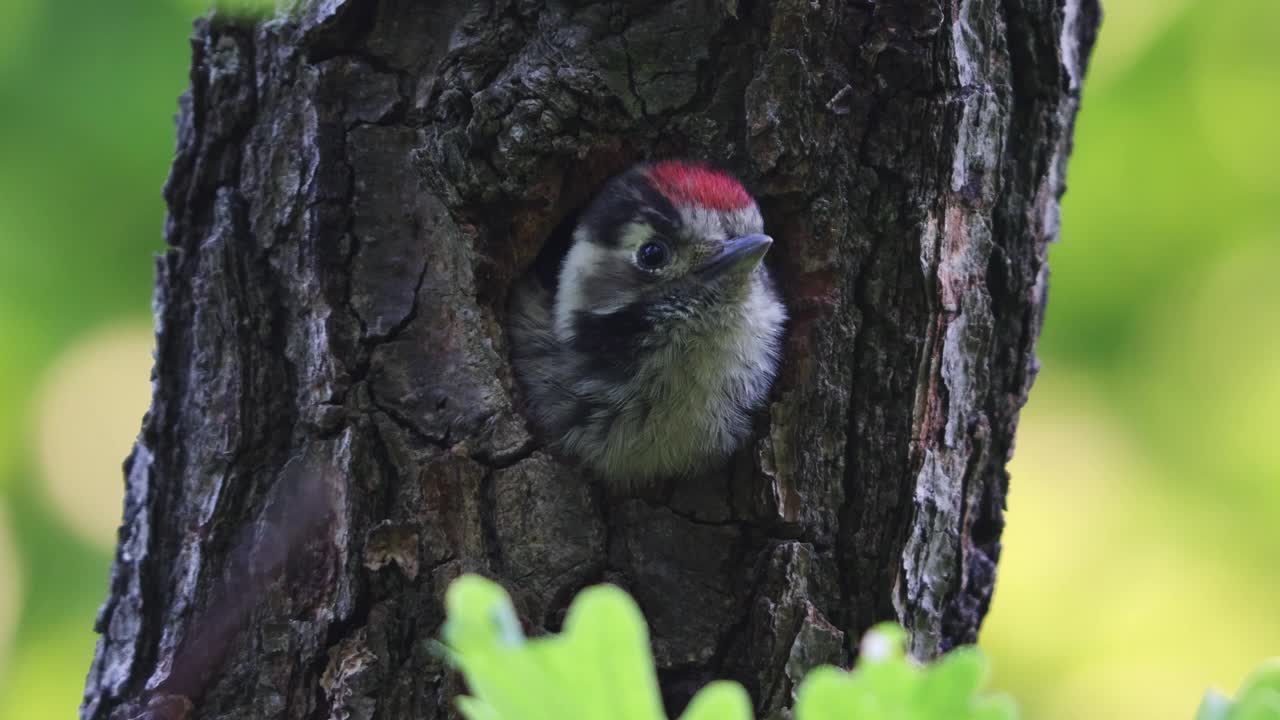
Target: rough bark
point(334, 433)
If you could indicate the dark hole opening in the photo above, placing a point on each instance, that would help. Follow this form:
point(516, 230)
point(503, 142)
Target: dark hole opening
point(546, 266)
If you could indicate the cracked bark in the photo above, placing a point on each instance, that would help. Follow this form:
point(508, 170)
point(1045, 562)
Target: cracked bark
point(334, 435)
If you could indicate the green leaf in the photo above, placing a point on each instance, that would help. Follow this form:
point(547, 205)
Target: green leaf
point(1266, 675)
point(607, 634)
point(889, 685)
point(885, 642)
point(829, 692)
point(1214, 706)
point(1257, 703)
point(1258, 698)
point(479, 614)
point(951, 683)
point(994, 707)
point(485, 642)
point(473, 709)
point(720, 700)
point(599, 667)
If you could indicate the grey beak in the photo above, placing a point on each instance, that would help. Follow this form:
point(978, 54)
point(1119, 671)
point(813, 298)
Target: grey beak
point(738, 255)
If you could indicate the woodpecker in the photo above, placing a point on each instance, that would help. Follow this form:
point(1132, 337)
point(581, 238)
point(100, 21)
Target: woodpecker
point(648, 351)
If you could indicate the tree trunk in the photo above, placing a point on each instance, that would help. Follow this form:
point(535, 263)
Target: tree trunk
point(334, 434)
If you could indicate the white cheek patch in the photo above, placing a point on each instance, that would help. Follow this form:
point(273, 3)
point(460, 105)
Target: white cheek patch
point(570, 297)
point(582, 266)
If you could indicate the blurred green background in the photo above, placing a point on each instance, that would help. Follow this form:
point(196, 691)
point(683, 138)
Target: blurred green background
point(1142, 556)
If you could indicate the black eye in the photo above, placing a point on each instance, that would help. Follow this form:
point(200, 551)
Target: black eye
point(653, 255)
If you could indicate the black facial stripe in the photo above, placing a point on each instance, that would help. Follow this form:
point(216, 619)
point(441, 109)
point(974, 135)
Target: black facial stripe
point(550, 259)
point(624, 200)
point(658, 210)
point(611, 341)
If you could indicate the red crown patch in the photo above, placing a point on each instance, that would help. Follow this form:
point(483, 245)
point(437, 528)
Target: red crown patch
point(691, 184)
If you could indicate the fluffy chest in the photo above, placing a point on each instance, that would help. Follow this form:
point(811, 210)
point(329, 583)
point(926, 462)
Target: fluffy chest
point(697, 372)
point(666, 398)
point(694, 393)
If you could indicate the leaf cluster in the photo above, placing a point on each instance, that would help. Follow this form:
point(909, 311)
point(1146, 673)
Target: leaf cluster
point(1258, 698)
point(600, 667)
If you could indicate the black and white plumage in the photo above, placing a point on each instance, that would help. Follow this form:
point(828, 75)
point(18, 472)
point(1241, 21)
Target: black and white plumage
point(662, 335)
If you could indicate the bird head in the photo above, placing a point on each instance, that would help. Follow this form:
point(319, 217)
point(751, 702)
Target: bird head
point(663, 244)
